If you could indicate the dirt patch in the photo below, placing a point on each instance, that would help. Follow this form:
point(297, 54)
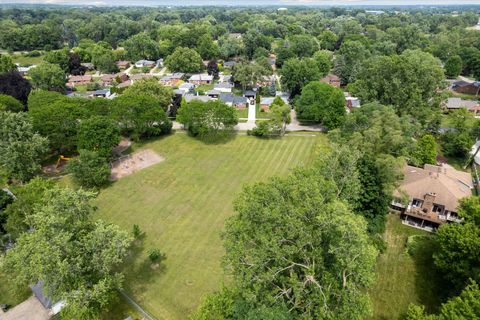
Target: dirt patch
point(127, 165)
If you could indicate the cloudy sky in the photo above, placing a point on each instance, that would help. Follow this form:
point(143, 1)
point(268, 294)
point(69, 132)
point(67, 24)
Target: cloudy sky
point(244, 2)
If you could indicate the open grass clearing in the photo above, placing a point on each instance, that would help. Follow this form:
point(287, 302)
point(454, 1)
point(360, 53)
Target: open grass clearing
point(27, 61)
point(403, 278)
point(181, 204)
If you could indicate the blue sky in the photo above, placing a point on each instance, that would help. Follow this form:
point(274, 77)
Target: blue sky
point(246, 2)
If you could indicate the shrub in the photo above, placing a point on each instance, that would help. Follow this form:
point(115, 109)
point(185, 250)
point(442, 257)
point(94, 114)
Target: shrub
point(155, 255)
point(89, 170)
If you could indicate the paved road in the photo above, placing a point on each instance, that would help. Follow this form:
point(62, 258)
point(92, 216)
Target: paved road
point(244, 126)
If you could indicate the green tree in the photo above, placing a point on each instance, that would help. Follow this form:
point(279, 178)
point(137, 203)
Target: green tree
point(47, 76)
point(457, 241)
point(9, 103)
point(106, 63)
point(141, 116)
point(207, 48)
point(249, 74)
point(426, 150)
point(453, 66)
point(253, 40)
point(297, 73)
point(314, 258)
point(21, 149)
point(324, 60)
point(58, 57)
point(323, 103)
point(407, 81)
point(89, 169)
point(141, 46)
point(99, 134)
point(151, 87)
point(303, 45)
point(328, 40)
point(184, 60)
point(350, 58)
point(77, 258)
point(230, 47)
point(459, 139)
point(207, 119)
point(20, 212)
point(463, 307)
point(6, 64)
point(281, 114)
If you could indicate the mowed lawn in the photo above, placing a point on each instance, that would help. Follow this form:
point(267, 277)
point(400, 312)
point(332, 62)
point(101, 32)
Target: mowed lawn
point(402, 278)
point(182, 203)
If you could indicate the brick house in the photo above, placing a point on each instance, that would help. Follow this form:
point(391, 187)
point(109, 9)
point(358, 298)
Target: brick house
point(466, 87)
point(428, 197)
point(172, 80)
point(78, 80)
point(200, 79)
point(108, 79)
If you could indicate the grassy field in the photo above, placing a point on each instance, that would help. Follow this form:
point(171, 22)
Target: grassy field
point(181, 204)
point(24, 61)
point(402, 278)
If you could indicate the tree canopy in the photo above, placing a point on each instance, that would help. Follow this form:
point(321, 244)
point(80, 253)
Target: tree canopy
point(21, 149)
point(294, 246)
point(207, 119)
point(76, 258)
point(184, 60)
point(322, 103)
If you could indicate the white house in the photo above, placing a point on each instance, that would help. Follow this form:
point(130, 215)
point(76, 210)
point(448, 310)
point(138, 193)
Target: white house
point(199, 79)
point(144, 63)
point(223, 87)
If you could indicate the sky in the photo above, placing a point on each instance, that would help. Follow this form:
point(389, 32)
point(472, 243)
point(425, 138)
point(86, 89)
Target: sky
point(243, 2)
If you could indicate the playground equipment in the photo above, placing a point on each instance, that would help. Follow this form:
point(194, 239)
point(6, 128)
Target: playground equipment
point(60, 159)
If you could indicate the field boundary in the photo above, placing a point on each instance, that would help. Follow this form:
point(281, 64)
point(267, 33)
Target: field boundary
point(136, 306)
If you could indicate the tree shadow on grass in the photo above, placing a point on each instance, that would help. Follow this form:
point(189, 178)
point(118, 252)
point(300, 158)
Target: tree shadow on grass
point(138, 275)
point(429, 284)
point(221, 137)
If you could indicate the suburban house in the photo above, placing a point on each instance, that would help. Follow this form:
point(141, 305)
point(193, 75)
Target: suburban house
point(102, 93)
point(172, 80)
point(457, 103)
point(88, 65)
point(185, 88)
point(190, 97)
point(108, 79)
point(428, 197)
point(225, 78)
point(140, 76)
point(233, 100)
point(144, 63)
point(123, 64)
point(200, 79)
point(351, 102)
point(466, 87)
point(266, 103)
point(266, 81)
point(24, 70)
point(229, 64)
point(37, 307)
point(78, 80)
point(250, 94)
point(213, 93)
point(224, 87)
point(125, 84)
point(332, 80)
